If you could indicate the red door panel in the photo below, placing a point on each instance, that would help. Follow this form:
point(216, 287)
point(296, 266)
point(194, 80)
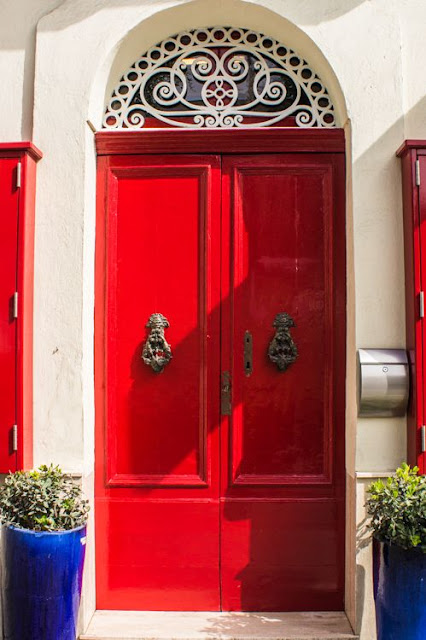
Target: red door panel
point(158, 265)
point(9, 253)
point(281, 555)
point(419, 324)
point(158, 503)
point(196, 511)
point(282, 494)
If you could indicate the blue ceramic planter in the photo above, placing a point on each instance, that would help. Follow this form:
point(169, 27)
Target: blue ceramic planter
point(42, 574)
point(399, 592)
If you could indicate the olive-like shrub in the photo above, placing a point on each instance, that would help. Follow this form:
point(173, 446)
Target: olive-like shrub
point(44, 499)
point(397, 508)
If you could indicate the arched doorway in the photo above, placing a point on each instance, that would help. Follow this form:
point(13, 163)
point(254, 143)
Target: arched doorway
point(220, 470)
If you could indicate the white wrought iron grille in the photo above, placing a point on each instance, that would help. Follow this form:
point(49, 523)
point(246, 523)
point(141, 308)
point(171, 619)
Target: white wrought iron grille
point(219, 77)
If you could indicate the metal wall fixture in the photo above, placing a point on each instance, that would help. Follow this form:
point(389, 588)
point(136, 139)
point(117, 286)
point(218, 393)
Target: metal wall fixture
point(383, 383)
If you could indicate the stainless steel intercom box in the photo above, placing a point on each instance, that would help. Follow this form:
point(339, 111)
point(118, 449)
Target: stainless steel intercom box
point(383, 382)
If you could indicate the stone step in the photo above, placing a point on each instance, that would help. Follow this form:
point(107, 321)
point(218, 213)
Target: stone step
point(170, 625)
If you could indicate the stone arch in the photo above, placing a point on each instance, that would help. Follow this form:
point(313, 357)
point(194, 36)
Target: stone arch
point(196, 14)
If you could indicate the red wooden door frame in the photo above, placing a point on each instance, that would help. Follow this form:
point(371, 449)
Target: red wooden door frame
point(315, 141)
point(414, 206)
point(27, 155)
point(241, 141)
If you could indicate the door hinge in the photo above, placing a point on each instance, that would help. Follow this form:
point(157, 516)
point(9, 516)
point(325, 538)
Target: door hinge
point(15, 305)
point(15, 437)
point(18, 174)
point(423, 438)
point(422, 304)
point(417, 173)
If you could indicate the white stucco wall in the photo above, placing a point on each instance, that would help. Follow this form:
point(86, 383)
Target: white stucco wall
point(353, 37)
point(413, 16)
point(369, 53)
point(18, 23)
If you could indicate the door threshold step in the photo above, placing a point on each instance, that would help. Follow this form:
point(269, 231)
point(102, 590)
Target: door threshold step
point(188, 625)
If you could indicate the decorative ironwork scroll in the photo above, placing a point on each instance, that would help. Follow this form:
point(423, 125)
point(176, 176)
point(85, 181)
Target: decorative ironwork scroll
point(282, 350)
point(219, 77)
point(156, 352)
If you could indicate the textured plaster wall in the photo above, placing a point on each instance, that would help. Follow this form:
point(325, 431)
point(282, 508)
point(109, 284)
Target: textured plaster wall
point(370, 54)
point(361, 40)
point(18, 22)
point(413, 18)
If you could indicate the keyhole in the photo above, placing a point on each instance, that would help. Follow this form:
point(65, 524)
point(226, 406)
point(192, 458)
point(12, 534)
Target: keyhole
point(248, 353)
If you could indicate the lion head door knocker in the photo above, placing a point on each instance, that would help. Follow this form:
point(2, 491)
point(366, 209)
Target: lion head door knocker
point(282, 350)
point(156, 351)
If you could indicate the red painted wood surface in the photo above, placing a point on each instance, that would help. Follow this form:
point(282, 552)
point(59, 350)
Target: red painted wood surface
point(282, 489)
point(422, 258)
point(8, 334)
point(157, 508)
point(256, 140)
point(414, 204)
point(16, 335)
point(194, 512)
point(20, 149)
point(25, 278)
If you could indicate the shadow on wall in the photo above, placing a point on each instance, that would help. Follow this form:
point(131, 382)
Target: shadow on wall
point(319, 11)
point(378, 226)
point(307, 12)
point(415, 120)
point(18, 32)
point(360, 595)
point(363, 540)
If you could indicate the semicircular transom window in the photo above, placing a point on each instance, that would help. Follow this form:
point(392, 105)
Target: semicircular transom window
point(219, 77)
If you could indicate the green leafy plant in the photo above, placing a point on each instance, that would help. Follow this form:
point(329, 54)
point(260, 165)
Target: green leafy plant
point(44, 499)
point(397, 508)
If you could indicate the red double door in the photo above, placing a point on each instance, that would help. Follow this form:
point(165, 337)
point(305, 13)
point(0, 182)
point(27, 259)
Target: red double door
point(220, 480)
